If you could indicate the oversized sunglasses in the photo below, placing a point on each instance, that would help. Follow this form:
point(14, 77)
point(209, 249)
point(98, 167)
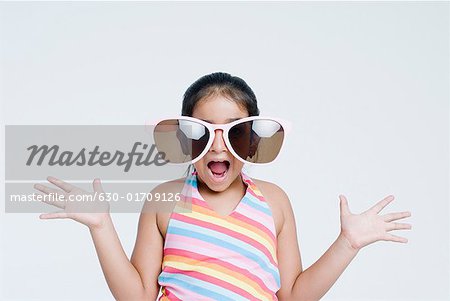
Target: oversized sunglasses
point(252, 140)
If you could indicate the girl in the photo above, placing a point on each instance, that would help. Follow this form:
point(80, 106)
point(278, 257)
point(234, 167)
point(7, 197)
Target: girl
point(238, 240)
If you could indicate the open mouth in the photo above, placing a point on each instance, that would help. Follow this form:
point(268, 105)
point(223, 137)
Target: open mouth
point(219, 168)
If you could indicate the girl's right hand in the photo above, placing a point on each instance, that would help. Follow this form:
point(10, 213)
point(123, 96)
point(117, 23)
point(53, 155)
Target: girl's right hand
point(93, 213)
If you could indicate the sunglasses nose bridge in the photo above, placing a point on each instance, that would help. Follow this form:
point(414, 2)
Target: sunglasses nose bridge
point(218, 144)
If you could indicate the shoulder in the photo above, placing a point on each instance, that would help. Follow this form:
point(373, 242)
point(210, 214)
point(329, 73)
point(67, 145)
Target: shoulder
point(277, 199)
point(170, 186)
point(163, 192)
point(270, 189)
point(162, 200)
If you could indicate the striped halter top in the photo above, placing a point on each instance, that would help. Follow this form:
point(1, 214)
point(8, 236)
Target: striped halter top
point(208, 256)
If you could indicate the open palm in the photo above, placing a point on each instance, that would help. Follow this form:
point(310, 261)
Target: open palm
point(363, 229)
point(90, 213)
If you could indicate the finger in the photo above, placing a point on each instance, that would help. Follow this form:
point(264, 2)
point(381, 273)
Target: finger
point(97, 185)
point(381, 204)
point(53, 215)
point(50, 199)
point(61, 184)
point(395, 238)
point(395, 216)
point(46, 189)
point(345, 210)
point(398, 226)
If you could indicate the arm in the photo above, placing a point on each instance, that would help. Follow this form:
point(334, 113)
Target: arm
point(357, 231)
point(133, 279)
point(315, 281)
point(136, 279)
point(127, 280)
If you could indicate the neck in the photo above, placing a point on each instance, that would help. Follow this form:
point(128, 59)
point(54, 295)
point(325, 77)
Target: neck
point(236, 185)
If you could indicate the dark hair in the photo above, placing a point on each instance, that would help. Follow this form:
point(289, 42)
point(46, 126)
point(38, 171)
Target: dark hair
point(219, 83)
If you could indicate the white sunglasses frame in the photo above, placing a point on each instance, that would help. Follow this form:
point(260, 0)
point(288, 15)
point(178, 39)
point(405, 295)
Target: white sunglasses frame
point(225, 127)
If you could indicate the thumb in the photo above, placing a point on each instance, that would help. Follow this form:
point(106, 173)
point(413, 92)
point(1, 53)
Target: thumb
point(97, 185)
point(345, 210)
point(53, 215)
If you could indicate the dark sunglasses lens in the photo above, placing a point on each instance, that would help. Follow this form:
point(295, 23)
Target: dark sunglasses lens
point(180, 140)
point(257, 141)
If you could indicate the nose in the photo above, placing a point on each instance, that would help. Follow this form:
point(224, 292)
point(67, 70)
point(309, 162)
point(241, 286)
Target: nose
point(218, 144)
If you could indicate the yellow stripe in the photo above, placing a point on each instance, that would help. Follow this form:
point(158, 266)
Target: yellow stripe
point(256, 190)
point(214, 273)
point(204, 217)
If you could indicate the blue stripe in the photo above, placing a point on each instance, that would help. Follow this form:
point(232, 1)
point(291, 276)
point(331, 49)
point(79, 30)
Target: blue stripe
point(256, 200)
point(256, 206)
point(192, 181)
point(224, 241)
point(200, 287)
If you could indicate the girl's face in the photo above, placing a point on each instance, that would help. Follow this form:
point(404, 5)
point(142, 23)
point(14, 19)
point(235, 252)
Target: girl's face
point(218, 168)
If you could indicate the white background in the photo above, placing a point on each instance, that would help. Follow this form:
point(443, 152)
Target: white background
point(366, 86)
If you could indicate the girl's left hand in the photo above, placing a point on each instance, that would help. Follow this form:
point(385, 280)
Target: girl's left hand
point(363, 229)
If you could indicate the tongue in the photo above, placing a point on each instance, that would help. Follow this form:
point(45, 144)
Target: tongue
point(218, 167)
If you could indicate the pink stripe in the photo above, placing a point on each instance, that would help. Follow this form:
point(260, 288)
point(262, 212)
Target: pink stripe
point(201, 247)
point(245, 210)
point(266, 215)
point(208, 254)
point(207, 259)
point(215, 281)
point(261, 220)
point(194, 201)
point(226, 231)
point(259, 197)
